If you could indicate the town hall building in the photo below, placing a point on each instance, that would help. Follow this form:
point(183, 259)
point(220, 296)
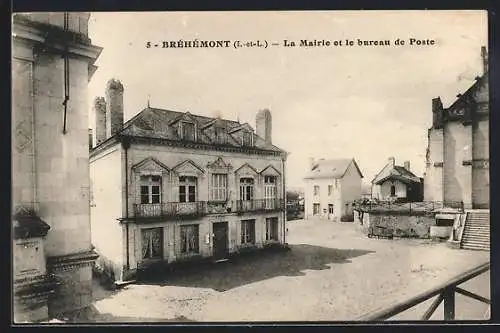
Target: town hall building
point(170, 187)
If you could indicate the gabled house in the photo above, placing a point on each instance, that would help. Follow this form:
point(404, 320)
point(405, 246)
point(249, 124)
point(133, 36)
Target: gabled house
point(171, 187)
point(331, 188)
point(396, 182)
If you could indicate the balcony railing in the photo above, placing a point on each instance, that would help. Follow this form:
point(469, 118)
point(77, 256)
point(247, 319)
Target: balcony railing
point(260, 205)
point(200, 208)
point(409, 207)
point(171, 209)
point(445, 292)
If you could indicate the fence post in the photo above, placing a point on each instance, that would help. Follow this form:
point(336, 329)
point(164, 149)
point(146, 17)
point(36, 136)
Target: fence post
point(449, 303)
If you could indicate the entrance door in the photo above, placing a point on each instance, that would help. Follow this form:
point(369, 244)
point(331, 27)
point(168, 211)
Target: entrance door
point(220, 246)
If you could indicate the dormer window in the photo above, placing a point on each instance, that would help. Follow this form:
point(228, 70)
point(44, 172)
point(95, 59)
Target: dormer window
point(220, 134)
point(187, 131)
point(246, 139)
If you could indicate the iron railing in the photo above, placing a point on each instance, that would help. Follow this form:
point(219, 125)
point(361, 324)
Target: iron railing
point(445, 292)
point(410, 207)
point(259, 205)
point(171, 209)
point(200, 208)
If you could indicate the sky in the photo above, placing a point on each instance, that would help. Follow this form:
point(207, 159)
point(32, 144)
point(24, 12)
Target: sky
point(362, 102)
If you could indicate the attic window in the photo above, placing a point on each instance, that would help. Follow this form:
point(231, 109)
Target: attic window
point(220, 134)
point(187, 131)
point(246, 139)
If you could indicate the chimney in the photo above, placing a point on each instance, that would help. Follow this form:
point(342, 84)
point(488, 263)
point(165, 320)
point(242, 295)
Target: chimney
point(484, 57)
point(407, 165)
point(91, 141)
point(392, 161)
point(100, 119)
point(437, 112)
point(114, 107)
point(263, 125)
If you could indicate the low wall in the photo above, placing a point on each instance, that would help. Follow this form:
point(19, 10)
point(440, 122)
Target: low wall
point(402, 225)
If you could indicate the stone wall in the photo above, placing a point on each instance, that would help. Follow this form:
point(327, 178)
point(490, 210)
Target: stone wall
point(402, 225)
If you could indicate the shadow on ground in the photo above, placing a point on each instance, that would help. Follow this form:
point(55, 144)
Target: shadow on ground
point(257, 267)
point(91, 315)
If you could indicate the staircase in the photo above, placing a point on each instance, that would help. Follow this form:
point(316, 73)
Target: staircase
point(476, 234)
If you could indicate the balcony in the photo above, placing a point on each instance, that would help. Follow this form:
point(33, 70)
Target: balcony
point(261, 205)
point(171, 210)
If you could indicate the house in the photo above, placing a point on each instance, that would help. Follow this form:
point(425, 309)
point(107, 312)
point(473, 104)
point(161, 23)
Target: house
point(396, 182)
point(50, 169)
point(331, 188)
point(457, 159)
point(171, 187)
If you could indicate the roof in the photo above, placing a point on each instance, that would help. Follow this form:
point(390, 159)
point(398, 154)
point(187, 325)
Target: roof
point(29, 226)
point(160, 124)
point(465, 97)
point(332, 168)
point(396, 173)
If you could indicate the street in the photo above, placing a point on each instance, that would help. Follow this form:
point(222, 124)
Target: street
point(333, 272)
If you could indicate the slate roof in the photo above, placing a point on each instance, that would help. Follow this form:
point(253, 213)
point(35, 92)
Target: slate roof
point(332, 168)
point(160, 123)
point(397, 173)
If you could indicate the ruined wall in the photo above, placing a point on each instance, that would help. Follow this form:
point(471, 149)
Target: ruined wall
point(402, 225)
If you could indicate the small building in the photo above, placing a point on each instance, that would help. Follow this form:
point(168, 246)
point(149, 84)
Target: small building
point(397, 183)
point(171, 187)
point(331, 188)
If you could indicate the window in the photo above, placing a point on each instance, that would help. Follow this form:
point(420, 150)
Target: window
point(190, 239)
point(187, 189)
point(220, 134)
point(330, 190)
point(150, 189)
point(246, 138)
point(269, 191)
point(219, 187)
point(247, 231)
point(188, 131)
point(316, 208)
point(272, 228)
point(246, 189)
point(316, 190)
point(330, 208)
point(393, 191)
point(152, 243)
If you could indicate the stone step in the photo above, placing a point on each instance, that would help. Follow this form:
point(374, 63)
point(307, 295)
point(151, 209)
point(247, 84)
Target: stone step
point(475, 236)
point(476, 232)
point(476, 239)
point(475, 243)
point(478, 225)
point(475, 248)
point(476, 229)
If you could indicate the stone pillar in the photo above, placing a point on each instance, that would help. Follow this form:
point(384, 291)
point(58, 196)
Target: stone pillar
point(61, 165)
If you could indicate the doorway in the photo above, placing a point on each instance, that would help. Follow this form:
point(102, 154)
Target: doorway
point(220, 241)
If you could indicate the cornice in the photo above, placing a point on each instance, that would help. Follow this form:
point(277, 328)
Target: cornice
point(46, 37)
